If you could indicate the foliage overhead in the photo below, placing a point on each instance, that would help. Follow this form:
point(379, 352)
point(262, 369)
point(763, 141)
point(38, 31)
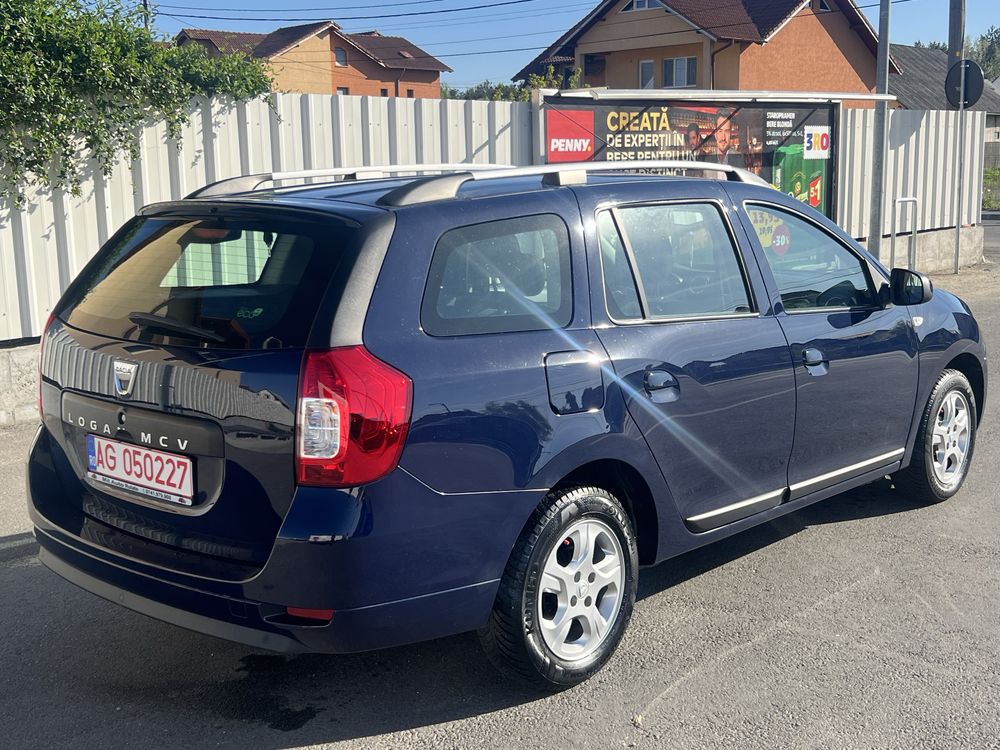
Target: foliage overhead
point(984, 49)
point(514, 92)
point(77, 81)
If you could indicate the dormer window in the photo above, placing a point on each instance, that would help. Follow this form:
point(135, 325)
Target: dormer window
point(642, 5)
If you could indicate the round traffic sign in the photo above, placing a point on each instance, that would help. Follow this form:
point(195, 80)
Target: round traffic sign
point(974, 82)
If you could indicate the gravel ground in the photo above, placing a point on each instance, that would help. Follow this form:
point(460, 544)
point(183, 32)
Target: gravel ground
point(859, 622)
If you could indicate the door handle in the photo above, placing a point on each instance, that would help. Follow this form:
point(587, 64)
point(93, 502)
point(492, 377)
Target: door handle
point(812, 357)
point(658, 380)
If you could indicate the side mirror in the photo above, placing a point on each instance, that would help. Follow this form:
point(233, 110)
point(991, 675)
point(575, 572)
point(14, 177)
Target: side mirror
point(909, 287)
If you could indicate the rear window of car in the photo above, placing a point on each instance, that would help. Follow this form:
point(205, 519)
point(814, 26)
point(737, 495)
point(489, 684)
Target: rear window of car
point(500, 276)
point(230, 284)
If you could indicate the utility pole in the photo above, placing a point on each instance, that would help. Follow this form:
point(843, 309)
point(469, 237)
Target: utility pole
point(956, 51)
point(145, 13)
point(881, 125)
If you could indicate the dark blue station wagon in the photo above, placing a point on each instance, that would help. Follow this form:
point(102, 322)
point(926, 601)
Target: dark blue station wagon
point(344, 416)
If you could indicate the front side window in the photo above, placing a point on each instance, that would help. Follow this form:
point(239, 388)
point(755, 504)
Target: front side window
point(680, 72)
point(811, 268)
point(341, 56)
point(645, 74)
point(501, 276)
point(684, 259)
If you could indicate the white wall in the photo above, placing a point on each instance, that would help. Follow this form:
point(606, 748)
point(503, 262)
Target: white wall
point(923, 163)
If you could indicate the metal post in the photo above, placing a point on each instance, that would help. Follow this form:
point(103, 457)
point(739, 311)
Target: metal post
point(912, 249)
point(881, 125)
point(961, 164)
point(956, 53)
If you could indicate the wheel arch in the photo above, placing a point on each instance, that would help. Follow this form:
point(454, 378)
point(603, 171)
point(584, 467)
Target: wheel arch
point(970, 366)
point(627, 484)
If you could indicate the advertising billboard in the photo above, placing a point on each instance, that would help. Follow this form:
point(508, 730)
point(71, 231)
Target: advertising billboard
point(789, 145)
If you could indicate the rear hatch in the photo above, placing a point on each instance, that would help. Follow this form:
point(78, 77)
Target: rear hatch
point(176, 356)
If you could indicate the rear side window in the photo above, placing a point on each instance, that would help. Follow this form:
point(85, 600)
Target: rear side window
point(682, 257)
point(500, 276)
point(222, 283)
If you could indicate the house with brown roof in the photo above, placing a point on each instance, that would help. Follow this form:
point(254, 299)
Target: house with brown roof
point(321, 58)
point(784, 45)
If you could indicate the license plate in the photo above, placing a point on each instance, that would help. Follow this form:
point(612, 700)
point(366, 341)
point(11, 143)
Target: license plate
point(163, 476)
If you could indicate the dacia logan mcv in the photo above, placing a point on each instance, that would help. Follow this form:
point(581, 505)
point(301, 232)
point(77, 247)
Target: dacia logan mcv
point(344, 416)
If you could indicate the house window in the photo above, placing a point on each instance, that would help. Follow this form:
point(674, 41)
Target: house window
point(343, 90)
point(680, 72)
point(822, 6)
point(340, 54)
point(409, 93)
point(645, 74)
point(384, 92)
point(642, 5)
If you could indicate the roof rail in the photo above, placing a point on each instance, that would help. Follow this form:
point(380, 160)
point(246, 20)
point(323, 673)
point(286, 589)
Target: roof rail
point(445, 186)
point(250, 182)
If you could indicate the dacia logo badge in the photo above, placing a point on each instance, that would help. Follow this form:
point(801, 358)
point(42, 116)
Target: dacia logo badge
point(124, 378)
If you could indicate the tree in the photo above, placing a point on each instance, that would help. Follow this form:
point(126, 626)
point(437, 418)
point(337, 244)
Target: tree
point(985, 50)
point(76, 81)
point(515, 92)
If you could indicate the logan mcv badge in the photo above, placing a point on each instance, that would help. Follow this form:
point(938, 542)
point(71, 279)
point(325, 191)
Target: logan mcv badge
point(124, 378)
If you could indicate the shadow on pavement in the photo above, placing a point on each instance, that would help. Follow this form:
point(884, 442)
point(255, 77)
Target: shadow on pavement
point(76, 666)
point(876, 499)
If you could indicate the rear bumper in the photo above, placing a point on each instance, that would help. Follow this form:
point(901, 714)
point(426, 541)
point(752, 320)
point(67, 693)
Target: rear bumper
point(398, 566)
point(242, 621)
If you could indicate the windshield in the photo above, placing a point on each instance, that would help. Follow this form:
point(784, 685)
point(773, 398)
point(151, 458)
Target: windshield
point(219, 283)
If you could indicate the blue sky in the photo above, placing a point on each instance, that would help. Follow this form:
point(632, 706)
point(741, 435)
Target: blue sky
point(472, 41)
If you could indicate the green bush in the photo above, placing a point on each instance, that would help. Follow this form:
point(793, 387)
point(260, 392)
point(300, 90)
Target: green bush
point(76, 82)
point(991, 189)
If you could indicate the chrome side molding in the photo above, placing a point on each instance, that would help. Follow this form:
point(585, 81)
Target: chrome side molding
point(727, 514)
point(829, 477)
point(713, 519)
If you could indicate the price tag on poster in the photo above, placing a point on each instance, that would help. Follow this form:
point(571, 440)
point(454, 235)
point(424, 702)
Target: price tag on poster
point(816, 142)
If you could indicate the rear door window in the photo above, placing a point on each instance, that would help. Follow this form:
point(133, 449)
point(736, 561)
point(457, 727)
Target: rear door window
point(500, 276)
point(671, 261)
point(224, 284)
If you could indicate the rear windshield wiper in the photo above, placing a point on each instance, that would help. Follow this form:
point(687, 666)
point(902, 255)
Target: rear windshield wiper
point(170, 325)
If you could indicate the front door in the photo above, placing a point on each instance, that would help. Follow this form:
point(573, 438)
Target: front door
point(855, 356)
point(705, 373)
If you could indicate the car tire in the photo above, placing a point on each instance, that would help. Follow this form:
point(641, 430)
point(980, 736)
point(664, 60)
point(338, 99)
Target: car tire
point(945, 443)
point(567, 593)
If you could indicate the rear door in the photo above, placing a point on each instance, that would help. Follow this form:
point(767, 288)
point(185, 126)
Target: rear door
point(170, 380)
point(855, 357)
point(702, 365)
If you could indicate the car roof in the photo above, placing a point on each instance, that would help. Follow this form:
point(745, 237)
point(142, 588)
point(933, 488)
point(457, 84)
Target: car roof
point(370, 192)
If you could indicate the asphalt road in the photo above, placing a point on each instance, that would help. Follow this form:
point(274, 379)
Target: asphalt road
point(860, 622)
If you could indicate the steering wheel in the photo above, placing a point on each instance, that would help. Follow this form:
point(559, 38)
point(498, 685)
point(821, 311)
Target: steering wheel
point(841, 295)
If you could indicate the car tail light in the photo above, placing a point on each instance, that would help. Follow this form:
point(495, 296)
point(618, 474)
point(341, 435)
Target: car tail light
point(41, 361)
point(353, 416)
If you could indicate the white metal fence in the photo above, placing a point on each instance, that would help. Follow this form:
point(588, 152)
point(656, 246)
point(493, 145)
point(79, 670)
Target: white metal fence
point(923, 164)
point(43, 246)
